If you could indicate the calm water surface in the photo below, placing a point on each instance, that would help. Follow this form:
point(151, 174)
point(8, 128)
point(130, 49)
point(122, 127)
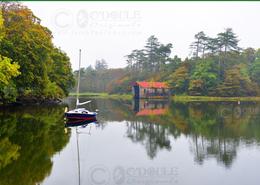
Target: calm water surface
point(134, 142)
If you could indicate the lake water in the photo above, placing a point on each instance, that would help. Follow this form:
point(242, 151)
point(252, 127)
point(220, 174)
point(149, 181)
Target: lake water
point(134, 142)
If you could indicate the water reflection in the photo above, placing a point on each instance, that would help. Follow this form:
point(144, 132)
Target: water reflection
point(79, 124)
point(218, 129)
point(146, 107)
point(215, 130)
point(223, 150)
point(152, 136)
point(29, 137)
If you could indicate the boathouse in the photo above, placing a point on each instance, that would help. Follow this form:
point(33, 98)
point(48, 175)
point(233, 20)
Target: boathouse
point(150, 90)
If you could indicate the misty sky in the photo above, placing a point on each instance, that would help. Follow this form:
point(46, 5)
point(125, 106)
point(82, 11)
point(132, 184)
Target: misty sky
point(111, 30)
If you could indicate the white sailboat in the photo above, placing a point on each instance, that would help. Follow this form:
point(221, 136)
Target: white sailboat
point(80, 113)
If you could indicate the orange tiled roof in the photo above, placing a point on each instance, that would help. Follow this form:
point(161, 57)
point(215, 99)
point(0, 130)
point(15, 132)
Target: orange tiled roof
point(152, 84)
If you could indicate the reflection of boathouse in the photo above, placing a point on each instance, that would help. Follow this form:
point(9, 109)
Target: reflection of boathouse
point(152, 107)
point(150, 90)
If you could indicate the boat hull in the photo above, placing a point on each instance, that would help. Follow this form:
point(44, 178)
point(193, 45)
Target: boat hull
point(79, 116)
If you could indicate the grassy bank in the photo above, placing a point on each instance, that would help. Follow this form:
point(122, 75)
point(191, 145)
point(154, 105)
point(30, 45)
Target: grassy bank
point(105, 95)
point(179, 98)
point(212, 99)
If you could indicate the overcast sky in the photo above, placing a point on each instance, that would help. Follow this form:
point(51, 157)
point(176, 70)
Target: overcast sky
point(111, 30)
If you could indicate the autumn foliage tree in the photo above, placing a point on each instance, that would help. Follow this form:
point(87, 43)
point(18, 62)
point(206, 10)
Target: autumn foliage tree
point(45, 70)
point(8, 71)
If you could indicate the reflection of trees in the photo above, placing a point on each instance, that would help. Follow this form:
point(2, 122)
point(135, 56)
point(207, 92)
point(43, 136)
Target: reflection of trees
point(29, 137)
point(216, 129)
point(222, 149)
point(153, 136)
point(8, 152)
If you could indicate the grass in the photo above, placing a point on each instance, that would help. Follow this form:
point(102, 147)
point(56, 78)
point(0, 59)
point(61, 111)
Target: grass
point(212, 99)
point(178, 98)
point(105, 95)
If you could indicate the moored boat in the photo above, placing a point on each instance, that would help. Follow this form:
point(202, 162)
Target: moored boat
point(80, 114)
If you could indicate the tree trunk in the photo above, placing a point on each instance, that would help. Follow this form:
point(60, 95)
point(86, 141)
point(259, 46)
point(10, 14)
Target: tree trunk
point(197, 52)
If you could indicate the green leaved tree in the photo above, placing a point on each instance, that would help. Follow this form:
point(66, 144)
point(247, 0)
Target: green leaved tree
point(204, 77)
point(45, 70)
point(8, 71)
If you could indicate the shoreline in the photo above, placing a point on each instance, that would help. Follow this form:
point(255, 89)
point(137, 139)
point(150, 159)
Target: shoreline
point(213, 99)
point(104, 95)
point(177, 98)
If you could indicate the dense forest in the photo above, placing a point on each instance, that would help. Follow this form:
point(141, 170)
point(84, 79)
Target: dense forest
point(31, 67)
point(217, 66)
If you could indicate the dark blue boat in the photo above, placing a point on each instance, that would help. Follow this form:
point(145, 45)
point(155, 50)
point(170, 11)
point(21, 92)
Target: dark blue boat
point(80, 114)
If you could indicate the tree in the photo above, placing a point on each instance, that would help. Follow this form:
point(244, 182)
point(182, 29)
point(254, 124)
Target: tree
point(139, 60)
point(179, 80)
point(26, 42)
point(257, 54)
point(164, 52)
point(228, 40)
point(255, 70)
point(130, 60)
point(8, 71)
point(199, 44)
point(249, 54)
point(2, 32)
point(204, 77)
point(60, 67)
point(101, 65)
point(152, 46)
point(45, 70)
point(151, 59)
point(212, 45)
point(237, 83)
point(173, 63)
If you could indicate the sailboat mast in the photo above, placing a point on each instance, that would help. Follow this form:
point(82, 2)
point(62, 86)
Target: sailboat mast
point(78, 78)
point(77, 103)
